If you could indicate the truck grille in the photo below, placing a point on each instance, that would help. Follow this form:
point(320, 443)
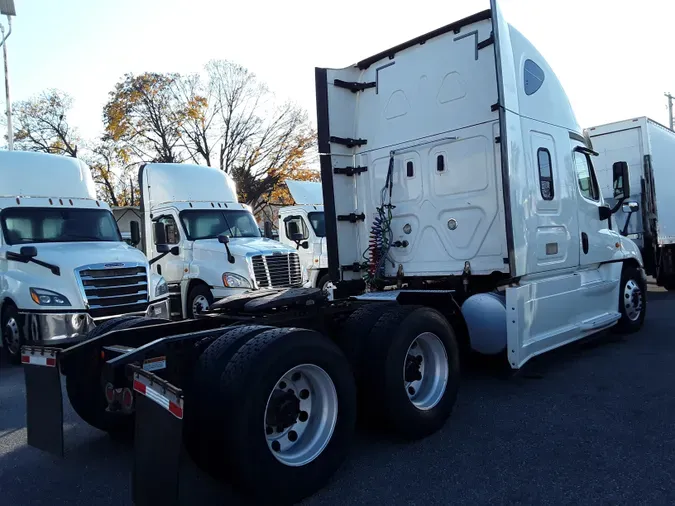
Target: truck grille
point(114, 291)
point(277, 271)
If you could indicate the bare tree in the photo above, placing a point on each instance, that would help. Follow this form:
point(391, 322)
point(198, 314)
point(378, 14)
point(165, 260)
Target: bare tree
point(42, 124)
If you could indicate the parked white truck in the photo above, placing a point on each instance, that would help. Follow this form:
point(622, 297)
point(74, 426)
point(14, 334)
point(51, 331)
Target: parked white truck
point(649, 219)
point(63, 265)
point(476, 193)
point(302, 226)
point(216, 248)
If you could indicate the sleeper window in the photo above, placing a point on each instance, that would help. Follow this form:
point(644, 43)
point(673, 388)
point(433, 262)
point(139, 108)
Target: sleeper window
point(545, 174)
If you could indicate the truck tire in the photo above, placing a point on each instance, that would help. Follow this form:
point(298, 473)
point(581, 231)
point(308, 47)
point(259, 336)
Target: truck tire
point(204, 414)
point(291, 403)
point(12, 333)
point(83, 383)
point(322, 282)
point(200, 296)
point(632, 300)
point(413, 371)
point(355, 332)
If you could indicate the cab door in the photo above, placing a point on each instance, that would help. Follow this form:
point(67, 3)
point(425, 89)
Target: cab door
point(297, 224)
point(598, 243)
point(170, 266)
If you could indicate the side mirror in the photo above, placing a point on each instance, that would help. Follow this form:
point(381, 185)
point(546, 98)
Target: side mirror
point(135, 229)
point(223, 239)
point(631, 207)
point(297, 237)
point(268, 229)
point(163, 248)
point(28, 251)
point(160, 233)
point(621, 180)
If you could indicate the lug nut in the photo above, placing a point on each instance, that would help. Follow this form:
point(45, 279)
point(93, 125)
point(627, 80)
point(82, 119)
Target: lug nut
point(303, 416)
point(276, 446)
point(282, 385)
point(296, 376)
point(411, 390)
point(304, 393)
point(292, 436)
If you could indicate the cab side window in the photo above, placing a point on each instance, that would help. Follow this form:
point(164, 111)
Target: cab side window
point(296, 225)
point(172, 235)
point(585, 176)
point(545, 174)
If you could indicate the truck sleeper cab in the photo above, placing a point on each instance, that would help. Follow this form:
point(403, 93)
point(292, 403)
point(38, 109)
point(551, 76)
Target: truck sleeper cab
point(63, 266)
point(475, 197)
point(188, 210)
point(302, 226)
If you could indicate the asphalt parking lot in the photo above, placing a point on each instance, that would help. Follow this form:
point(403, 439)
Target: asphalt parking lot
point(593, 423)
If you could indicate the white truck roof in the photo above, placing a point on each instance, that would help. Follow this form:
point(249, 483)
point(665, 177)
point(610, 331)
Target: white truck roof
point(305, 192)
point(182, 182)
point(29, 174)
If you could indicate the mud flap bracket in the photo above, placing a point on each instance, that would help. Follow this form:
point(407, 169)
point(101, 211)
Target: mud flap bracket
point(44, 400)
point(157, 440)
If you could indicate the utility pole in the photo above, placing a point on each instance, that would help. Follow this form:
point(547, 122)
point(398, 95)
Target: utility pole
point(7, 8)
point(670, 109)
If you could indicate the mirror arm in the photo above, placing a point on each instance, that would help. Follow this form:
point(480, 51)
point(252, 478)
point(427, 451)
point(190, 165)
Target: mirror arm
point(624, 232)
point(158, 257)
point(618, 205)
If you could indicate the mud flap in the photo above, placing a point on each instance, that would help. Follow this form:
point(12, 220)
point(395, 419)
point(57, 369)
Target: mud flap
point(158, 440)
point(44, 400)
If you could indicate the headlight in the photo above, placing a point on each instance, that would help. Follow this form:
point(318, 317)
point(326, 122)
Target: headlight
point(44, 297)
point(162, 288)
point(232, 280)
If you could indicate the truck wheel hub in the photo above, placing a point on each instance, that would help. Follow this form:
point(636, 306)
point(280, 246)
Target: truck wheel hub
point(284, 409)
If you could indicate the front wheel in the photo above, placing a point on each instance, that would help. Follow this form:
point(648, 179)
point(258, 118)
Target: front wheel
point(199, 300)
point(12, 334)
point(632, 300)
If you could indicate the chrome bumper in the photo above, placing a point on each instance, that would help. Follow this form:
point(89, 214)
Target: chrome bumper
point(66, 328)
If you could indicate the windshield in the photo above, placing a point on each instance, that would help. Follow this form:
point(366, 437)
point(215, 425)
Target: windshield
point(318, 223)
point(209, 224)
point(38, 224)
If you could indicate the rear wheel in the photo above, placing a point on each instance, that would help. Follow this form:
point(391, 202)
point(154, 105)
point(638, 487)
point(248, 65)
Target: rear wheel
point(12, 333)
point(413, 375)
point(290, 399)
point(84, 383)
point(204, 418)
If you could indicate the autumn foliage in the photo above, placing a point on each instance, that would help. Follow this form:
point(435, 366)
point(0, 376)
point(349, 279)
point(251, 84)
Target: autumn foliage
point(224, 117)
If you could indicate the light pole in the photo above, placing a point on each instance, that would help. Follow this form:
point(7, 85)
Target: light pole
point(7, 9)
point(670, 109)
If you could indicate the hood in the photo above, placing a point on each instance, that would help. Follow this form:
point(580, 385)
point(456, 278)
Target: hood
point(242, 246)
point(71, 255)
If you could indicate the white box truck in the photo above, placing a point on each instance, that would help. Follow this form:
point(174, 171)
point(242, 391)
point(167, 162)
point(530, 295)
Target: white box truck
point(216, 248)
point(63, 265)
point(303, 227)
point(648, 217)
point(476, 193)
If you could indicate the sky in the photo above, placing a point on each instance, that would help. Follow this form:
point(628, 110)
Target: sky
point(615, 59)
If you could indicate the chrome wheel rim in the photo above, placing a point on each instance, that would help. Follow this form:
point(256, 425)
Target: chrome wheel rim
point(632, 300)
point(12, 336)
point(300, 415)
point(199, 305)
point(426, 371)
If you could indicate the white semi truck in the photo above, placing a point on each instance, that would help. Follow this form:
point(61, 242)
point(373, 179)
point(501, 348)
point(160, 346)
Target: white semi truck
point(302, 226)
point(649, 149)
point(216, 248)
point(462, 213)
point(63, 265)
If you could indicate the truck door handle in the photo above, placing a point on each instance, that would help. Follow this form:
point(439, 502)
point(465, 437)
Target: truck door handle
point(584, 242)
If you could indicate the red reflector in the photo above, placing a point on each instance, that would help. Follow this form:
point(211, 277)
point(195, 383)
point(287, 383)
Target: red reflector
point(175, 410)
point(109, 393)
point(139, 387)
point(25, 359)
point(51, 362)
point(127, 398)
